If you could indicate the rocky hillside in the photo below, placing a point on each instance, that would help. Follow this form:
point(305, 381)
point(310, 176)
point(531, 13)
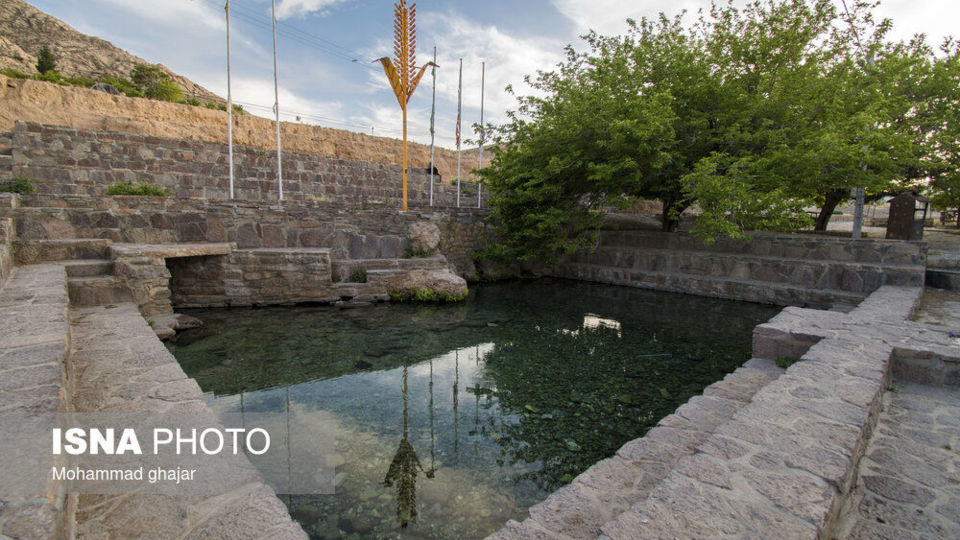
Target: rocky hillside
point(24, 29)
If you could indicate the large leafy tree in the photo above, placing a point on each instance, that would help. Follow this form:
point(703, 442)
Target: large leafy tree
point(752, 114)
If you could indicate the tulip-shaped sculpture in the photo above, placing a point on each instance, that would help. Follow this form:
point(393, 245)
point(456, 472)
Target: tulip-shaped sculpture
point(402, 71)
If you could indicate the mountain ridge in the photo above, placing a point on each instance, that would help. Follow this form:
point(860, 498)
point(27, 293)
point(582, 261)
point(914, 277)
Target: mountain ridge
point(24, 30)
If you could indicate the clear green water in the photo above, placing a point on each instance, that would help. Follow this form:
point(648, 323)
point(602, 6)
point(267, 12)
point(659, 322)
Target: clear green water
point(453, 419)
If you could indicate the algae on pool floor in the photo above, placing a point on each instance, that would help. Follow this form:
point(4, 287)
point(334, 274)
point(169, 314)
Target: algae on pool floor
point(453, 419)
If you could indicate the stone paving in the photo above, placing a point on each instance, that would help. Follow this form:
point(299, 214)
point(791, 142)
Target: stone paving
point(909, 480)
point(119, 365)
point(33, 340)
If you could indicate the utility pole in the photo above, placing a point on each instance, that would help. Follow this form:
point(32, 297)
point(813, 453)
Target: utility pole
point(276, 103)
point(229, 103)
point(483, 83)
point(433, 113)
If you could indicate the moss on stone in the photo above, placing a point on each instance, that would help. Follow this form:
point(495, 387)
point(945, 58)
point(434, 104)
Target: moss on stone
point(427, 296)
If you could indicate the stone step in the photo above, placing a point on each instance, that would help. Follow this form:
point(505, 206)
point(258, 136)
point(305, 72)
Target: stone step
point(360, 292)
point(763, 292)
point(817, 274)
point(344, 268)
point(381, 276)
point(88, 267)
point(787, 246)
point(614, 485)
point(97, 291)
point(34, 251)
point(943, 279)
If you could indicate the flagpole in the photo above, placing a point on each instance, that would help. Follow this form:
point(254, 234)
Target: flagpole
point(229, 102)
point(459, 110)
point(433, 112)
point(483, 82)
point(276, 102)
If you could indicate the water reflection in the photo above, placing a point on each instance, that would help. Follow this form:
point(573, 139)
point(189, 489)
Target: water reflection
point(497, 405)
point(404, 469)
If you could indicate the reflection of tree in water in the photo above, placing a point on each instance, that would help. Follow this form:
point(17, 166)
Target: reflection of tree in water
point(404, 469)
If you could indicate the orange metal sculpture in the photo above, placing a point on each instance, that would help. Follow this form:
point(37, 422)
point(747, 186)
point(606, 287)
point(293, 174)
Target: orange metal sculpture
point(402, 71)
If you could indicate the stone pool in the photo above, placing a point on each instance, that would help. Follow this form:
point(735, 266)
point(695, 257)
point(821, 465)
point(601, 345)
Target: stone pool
point(452, 419)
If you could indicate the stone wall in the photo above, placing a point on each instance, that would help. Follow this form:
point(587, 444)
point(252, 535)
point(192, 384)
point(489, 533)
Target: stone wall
point(780, 269)
point(7, 235)
point(67, 161)
point(349, 233)
point(252, 277)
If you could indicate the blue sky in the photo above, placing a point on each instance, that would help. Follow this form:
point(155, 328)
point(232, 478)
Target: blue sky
point(320, 39)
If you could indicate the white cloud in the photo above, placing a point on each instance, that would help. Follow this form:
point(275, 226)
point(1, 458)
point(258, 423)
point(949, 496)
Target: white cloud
point(508, 59)
point(609, 17)
point(174, 12)
point(293, 8)
point(936, 18)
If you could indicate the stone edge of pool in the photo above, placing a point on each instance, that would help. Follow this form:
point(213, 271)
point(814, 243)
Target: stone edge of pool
point(784, 462)
point(761, 451)
point(108, 359)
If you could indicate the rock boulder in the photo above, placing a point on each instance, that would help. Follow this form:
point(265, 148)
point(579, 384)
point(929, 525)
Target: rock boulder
point(423, 238)
point(428, 285)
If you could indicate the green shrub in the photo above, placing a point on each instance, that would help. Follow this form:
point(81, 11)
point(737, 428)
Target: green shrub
point(140, 188)
point(85, 82)
point(358, 276)
point(238, 109)
point(13, 74)
point(123, 85)
point(19, 184)
point(426, 295)
point(52, 76)
point(192, 101)
point(46, 60)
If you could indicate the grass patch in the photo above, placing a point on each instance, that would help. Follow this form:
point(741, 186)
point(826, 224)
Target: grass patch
point(785, 362)
point(427, 296)
point(142, 189)
point(358, 276)
point(411, 253)
point(20, 184)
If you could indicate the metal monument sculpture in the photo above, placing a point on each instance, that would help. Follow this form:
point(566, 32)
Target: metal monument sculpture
point(402, 71)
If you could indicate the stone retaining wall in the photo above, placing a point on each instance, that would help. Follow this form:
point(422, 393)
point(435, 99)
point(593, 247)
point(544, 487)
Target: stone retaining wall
point(254, 276)
point(67, 161)
point(7, 236)
point(779, 269)
point(349, 233)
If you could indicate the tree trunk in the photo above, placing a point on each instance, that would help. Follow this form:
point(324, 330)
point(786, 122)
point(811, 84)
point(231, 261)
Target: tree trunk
point(673, 201)
point(830, 203)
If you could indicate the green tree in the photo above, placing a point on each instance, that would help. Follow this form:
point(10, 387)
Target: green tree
point(46, 61)
point(155, 83)
point(752, 114)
